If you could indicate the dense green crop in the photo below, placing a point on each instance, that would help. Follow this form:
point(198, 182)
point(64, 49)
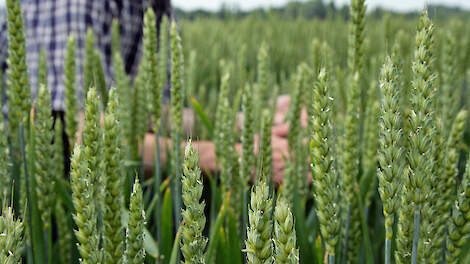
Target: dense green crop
point(385, 145)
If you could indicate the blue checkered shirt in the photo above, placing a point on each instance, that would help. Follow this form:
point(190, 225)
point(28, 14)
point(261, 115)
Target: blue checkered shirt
point(48, 23)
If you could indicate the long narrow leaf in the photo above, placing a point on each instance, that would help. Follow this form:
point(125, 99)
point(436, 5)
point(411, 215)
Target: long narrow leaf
point(34, 221)
point(203, 116)
point(167, 226)
point(176, 247)
point(233, 239)
point(213, 238)
point(365, 232)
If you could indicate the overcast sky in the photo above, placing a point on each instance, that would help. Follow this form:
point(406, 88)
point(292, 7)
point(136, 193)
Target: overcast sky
point(399, 5)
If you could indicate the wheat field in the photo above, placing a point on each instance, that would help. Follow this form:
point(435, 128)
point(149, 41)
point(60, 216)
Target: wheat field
point(375, 168)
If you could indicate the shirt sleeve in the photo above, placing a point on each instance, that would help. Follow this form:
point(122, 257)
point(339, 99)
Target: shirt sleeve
point(131, 15)
point(131, 22)
point(3, 38)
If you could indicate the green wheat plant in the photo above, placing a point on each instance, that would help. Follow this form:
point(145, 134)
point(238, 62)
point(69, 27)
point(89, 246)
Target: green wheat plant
point(43, 138)
point(419, 157)
point(11, 237)
point(284, 234)
point(92, 143)
point(247, 137)
point(135, 252)
point(150, 60)
point(85, 208)
point(193, 242)
point(390, 152)
point(113, 197)
point(71, 90)
point(17, 76)
point(326, 191)
point(352, 138)
point(342, 139)
point(177, 72)
point(265, 171)
point(99, 78)
point(258, 244)
point(459, 223)
point(89, 62)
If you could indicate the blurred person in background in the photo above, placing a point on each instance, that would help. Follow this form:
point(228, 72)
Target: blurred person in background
point(49, 23)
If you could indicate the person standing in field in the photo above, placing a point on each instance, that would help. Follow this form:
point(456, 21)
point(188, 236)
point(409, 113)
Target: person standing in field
point(49, 23)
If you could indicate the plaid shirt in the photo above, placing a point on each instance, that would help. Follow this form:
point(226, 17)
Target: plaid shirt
point(48, 23)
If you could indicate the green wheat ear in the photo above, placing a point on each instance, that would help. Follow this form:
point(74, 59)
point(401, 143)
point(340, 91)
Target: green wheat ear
point(163, 54)
point(151, 66)
point(446, 180)
point(390, 151)
point(350, 169)
point(124, 93)
point(296, 107)
point(138, 116)
point(99, 78)
point(176, 109)
point(221, 116)
point(43, 137)
point(459, 226)
point(247, 137)
point(284, 235)
point(115, 38)
point(227, 155)
point(135, 252)
point(321, 146)
point(177, 73)
point(113, 200)
point(85, 213)
point(263, 77)
point(11, 237)
point(417, 184)
point(18, 93)
point(352, 130)
point(266, 151)
point(450, 94)
point(356, 36)
point(42, 69)
point(193, 242)
point(88, 62)
point(71, 99)
point(92, 140)
point(258, 244)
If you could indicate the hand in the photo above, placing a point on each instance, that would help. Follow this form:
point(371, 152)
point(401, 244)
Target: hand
point(207, 156)
point(281, 127)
